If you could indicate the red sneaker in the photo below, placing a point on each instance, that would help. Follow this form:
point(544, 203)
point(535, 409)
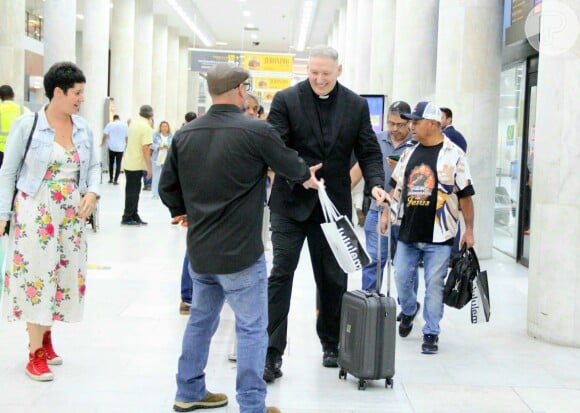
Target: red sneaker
point(37, 369)
point(51, 357)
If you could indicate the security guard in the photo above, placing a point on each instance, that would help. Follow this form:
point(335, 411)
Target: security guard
point(8, 112)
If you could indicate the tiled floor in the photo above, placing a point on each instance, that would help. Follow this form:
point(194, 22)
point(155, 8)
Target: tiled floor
point(123, 356)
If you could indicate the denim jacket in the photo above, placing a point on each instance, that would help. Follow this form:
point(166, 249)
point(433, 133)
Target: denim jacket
point(38, 155)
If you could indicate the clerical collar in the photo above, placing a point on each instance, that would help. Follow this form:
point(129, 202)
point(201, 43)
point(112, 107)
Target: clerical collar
point(332, 93)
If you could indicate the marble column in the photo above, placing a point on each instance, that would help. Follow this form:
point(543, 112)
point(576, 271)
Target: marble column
point(60, 24)
point(95, 58)
point(122, 54)
point(415, 50)
point(468, 82)
point(159, 79)
point(143, 55)
point(172, 80)
point(12, 31)
point(554, 272)
point(193, 80)
point(349, 45)
point(383, 48)
point(362, 40)
point(341, 38)
point(183, 89)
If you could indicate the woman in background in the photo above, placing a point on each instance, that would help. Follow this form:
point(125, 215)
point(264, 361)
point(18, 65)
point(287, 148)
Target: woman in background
point(161, 141)
point(57, 182)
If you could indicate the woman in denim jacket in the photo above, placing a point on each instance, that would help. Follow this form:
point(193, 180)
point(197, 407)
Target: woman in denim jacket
point(161, 142)
point(57, 183)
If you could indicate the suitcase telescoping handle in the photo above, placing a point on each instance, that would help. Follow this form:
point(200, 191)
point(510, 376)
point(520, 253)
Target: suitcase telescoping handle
point(379, 254)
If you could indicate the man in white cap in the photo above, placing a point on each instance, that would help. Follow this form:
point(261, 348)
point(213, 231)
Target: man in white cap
point(430, 182)
point(215, 173)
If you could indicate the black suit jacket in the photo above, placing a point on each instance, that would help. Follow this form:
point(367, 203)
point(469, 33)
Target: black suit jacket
point(294, 115)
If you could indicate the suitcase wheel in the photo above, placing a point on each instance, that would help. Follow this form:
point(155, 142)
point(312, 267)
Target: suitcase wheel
point(342, 374)
point(389, 383)
point(362, 384)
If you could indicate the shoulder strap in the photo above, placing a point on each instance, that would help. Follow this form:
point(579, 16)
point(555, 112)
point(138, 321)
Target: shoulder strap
point(30, 136)
point(27, 144)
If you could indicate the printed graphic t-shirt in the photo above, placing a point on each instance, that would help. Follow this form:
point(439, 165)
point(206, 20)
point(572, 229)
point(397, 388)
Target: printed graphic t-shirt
point(420, 195)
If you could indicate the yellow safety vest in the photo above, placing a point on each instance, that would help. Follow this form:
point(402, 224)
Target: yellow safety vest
point(8, 112)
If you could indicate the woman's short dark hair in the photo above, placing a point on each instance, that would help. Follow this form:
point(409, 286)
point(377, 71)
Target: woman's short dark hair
point(63, 75)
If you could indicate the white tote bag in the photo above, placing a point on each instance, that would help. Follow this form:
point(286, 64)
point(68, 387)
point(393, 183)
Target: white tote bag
point(348, 250)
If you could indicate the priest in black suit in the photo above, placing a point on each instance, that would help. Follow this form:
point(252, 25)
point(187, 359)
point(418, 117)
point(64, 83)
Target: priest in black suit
point(325, 123)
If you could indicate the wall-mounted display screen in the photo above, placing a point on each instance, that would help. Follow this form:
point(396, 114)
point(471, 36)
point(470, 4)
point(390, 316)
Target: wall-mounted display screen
point(377, 110)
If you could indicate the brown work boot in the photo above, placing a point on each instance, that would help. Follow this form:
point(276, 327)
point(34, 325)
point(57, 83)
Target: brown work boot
point(184, 308)
point(272, 409)
point(210, 401)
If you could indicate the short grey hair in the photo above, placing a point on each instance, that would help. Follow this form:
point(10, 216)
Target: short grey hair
point(146, 111)
point(324, 51)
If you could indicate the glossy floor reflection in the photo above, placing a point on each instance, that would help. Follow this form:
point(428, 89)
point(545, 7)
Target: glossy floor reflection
point(123, 356)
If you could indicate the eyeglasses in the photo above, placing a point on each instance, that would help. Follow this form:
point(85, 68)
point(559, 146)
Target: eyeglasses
point(394, 125)
point(248, 86)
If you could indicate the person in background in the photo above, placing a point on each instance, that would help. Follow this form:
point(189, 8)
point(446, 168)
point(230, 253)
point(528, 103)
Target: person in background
point(115, 135)
point(324, 122)
point(137, 160)
point(449, 130)
point(431, 181)
point(161, 141)
point(182, 219)
point(394, 141)
point(9, 111)
point(58, 186)
point(225, 249)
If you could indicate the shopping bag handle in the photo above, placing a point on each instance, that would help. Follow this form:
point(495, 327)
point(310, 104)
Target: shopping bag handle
point(330, 212)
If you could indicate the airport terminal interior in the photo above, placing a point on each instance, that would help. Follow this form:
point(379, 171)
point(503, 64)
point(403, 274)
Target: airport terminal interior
point(482, 58)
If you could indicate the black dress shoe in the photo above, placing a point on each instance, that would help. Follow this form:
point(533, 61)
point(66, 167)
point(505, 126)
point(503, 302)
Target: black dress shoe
point(272, 368)
point(139, 220)
point(330, 358)
point(129, 222)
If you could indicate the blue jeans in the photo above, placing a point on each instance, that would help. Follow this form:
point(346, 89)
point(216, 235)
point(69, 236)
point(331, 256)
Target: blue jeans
point(156, 169)
point(436, 258)
point(247, 294)
point(369, 273)
point(185, 281)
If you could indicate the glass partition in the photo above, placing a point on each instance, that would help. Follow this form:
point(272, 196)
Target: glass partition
point(509, 155)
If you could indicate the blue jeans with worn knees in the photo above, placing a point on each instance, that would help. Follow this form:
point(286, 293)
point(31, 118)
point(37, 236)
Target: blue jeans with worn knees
point(247, 294)
point(185, 281)
point(369, 273)
point(436, 259)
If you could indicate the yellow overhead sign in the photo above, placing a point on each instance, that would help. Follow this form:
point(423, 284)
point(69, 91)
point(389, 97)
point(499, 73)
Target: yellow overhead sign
point(276, 83)
point(268, 62)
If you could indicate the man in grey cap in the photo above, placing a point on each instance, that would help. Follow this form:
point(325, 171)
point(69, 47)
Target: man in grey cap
point(215, 173)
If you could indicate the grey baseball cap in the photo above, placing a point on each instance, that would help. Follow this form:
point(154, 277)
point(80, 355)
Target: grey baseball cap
point(224, 77)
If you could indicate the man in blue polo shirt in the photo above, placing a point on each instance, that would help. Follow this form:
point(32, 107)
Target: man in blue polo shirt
point(394, 141)
point(115, 134)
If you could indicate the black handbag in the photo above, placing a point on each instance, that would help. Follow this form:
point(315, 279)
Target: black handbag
point(7, 227)
point(458, 289)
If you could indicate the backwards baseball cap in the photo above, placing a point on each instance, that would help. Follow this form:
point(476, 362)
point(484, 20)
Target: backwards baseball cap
point(224, 77)
point(400, 106)
point(424, 110)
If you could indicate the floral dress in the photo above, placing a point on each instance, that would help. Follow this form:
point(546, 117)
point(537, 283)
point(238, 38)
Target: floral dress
point(45, 280)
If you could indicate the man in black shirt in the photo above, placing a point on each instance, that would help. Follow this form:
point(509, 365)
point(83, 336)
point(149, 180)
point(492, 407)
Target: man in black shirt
point(430, 181)
point(215, 173)
point(324, 121)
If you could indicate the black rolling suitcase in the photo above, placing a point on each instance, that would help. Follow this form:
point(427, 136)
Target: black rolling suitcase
point(366, 348)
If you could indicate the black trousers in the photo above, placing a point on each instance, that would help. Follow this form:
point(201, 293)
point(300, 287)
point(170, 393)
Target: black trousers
point(287, 240)
point(115, 159)
point(132, 191)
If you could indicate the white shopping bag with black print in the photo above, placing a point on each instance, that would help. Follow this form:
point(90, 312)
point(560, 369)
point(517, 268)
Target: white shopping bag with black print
point(347, 248)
